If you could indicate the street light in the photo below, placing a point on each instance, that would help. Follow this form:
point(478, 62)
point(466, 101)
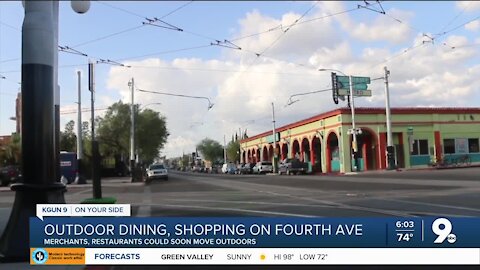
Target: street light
point(354, 131)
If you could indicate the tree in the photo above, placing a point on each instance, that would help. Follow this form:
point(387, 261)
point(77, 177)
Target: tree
point(11, 152)
point(210, 149)
point(113, 132)
point(233, 151)
point(68, 139)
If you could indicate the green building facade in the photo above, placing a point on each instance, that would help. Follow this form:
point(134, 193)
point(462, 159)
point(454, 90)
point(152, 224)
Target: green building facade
point(421, 137)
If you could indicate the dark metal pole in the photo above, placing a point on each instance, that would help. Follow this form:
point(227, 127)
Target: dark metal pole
point(40, 185)
point(79, 177)
point(132, 131)
point(97, 188)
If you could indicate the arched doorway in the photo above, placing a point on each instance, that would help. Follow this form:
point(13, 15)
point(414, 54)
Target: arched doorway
point(295, 149)
point(316, 154)
point(265, 154)
point(367, 150)
point(244, 154)
point(333, 153)
point(257, 156)
point(306, 155)
point(249, 156)
point(270, 152)
point(284, 151)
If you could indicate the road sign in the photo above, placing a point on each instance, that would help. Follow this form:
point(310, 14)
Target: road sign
point(357, 93)
point(358, 83)
point(270, 138)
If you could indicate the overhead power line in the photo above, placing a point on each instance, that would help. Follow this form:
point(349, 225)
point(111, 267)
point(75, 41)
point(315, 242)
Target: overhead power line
point(10, 26)
point(165, 52)
point(210, 104)
point(155, 22)
point(111, 62)
point(70, 50)
point(108, 36)
point(129, 29)
point(83, 110)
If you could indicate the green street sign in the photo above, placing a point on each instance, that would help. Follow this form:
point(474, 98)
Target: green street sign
point(270, 138)
point(355, 86)
point(359, 83)
point(361, 80)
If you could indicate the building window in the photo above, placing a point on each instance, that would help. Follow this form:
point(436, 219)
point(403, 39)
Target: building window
point(420, 147)
point(473, 145)
point(449, 146)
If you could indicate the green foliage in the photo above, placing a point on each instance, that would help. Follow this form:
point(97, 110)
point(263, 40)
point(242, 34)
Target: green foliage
point(68, 138)
point(233, 151)
point(210, 149)
point(11, 153)
point(104, 200)
point(113, 132)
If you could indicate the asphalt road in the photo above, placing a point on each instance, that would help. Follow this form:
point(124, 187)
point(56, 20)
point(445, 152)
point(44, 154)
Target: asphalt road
point(454, 192)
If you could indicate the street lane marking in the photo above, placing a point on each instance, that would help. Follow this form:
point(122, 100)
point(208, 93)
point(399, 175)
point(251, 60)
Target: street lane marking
point(145, 209)
point(252, 202)
point(233, 209)
point(435, 205)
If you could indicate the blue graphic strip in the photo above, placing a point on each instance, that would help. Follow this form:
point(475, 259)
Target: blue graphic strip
point(254, 232)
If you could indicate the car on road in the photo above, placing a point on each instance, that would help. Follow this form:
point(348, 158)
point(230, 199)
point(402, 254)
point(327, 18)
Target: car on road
point(156, 171)
point(247, 168)
point(263, 167)
point(292, 166)
point(198, 168)
point(10, 174)
point(229, 168)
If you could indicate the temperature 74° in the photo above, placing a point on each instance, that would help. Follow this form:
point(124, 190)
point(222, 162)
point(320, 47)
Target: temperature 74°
point(404, 237)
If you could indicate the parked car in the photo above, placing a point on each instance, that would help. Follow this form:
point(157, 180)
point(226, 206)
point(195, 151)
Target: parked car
point(247, 168)
point(10, 174)
point(238, 169)
point(229, 168)
point(263, 167)
point(198, 168)
point(292, 166)
point(156, 171)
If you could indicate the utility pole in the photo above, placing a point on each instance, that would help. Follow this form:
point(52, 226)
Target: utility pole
point(97, 188)
point(390, 149)
point(224, 150)
point(79, 177)
point(274, 139)
point(354, 130)
point(240, 157)
point(131, 83)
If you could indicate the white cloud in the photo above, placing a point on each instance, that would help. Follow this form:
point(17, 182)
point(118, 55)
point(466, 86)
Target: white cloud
point(473, 26)
point(421, 74)
point(469, 6)
point(381, 28)
point(283, 42)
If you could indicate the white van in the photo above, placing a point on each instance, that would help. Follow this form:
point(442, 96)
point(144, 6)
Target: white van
point(228, 168)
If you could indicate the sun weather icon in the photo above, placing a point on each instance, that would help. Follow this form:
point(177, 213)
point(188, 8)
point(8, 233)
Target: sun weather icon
point(39, 256)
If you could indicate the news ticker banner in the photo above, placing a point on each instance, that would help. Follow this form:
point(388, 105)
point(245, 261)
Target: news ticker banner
point(181, 240)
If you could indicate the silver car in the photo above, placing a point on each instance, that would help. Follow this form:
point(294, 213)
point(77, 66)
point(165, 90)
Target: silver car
point(157, 171)
point(263, 167)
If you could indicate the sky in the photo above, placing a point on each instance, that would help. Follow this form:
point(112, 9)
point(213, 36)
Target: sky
point(243, 56)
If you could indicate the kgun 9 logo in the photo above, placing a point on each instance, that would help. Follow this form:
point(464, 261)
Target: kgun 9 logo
point(443, 228)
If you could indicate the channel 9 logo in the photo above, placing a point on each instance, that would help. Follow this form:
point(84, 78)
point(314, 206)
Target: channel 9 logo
point(442, 227)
